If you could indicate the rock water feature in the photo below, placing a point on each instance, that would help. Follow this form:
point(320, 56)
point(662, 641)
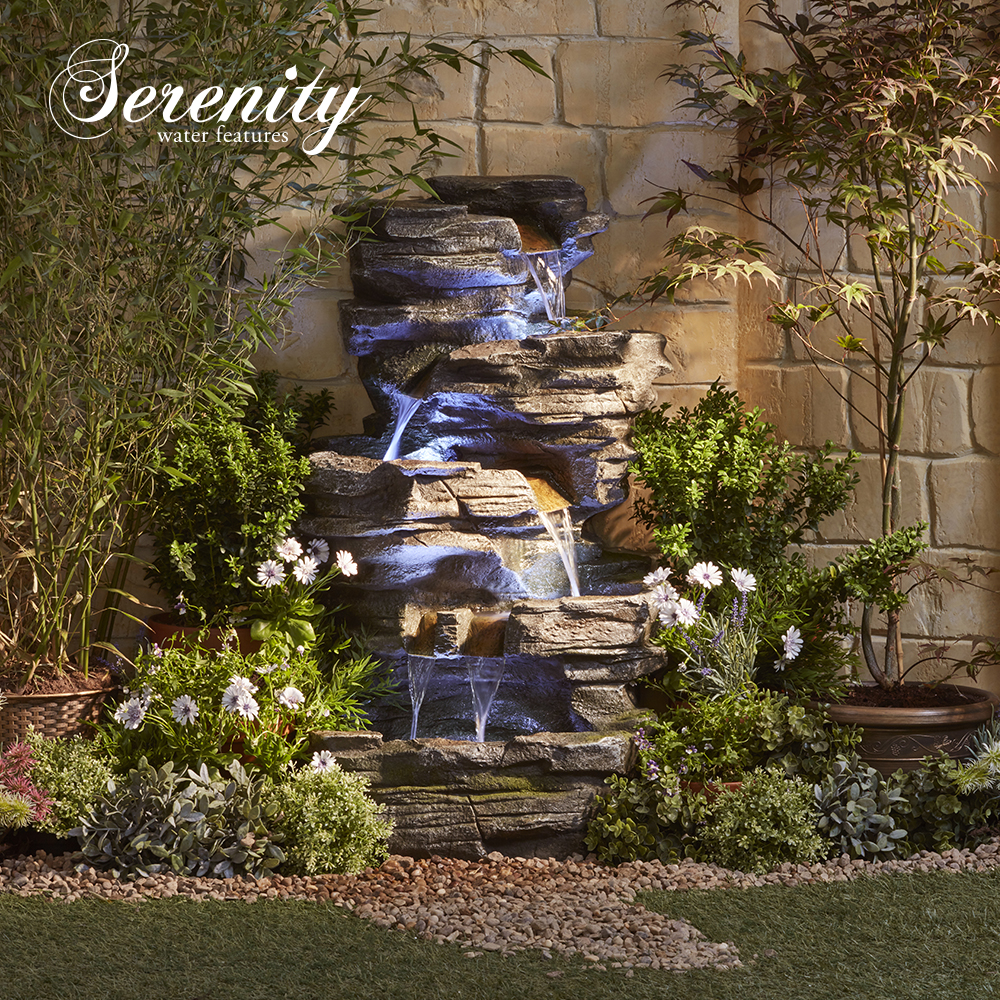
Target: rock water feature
point(489, 414)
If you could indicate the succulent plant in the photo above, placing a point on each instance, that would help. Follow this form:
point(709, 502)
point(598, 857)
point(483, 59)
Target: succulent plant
point(193, 822)
point(856, 805)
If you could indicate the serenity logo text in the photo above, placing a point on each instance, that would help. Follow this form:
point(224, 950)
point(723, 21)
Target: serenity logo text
point(89, 84)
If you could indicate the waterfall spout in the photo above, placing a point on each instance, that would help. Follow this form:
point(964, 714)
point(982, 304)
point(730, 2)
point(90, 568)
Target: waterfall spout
point(419, 670)
point(407, 407)
point(560, 526)
point(546, 269)
point(485, 673)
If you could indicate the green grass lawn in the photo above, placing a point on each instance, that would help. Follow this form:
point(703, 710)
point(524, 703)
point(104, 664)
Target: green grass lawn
point(907, 937)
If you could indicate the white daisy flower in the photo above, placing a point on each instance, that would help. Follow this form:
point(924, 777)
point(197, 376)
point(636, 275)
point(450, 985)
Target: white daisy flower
point(793, 643)
point(292, 698)
point(319, 549)
point(657, 577)
point(305, 569)
point(288, 549)
point(242, 684)
point(744, 581)
point(240, 702)
point(184, 709)
point(323, 760)
point(270, 573)
point(705, 574)
point(664, 592)
point(346, 563)
point(668, 613)
point(131, 713)
point(687, 612)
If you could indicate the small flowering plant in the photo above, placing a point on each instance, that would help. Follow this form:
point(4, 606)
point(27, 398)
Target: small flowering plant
point(21, 801)
point(287, 584)
point(188, 704)
point(703, 740)
point(718, 651)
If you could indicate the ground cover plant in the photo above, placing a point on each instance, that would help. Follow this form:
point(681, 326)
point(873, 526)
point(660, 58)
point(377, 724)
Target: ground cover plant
point(803, 795)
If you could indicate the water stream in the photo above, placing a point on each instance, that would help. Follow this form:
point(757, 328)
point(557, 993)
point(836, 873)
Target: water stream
point(419, 670)
point(485, 673)
point(545, 267)
point(559, 525)
point(407, 407)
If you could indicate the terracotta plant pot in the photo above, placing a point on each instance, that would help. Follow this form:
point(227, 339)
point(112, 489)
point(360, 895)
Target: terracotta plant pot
point(164, 633)
point(899, 738)
point(711, 789)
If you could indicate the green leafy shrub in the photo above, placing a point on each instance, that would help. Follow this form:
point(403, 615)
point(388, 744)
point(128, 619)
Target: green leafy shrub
point(937, 811)
point(655, 815)
point(225, 497)
point(769, 820)
point(723, 486)
point(328, 822)
point(73, 772)
point(721, 739)
point(190, 823)
point(646, 818)
point(858, 810)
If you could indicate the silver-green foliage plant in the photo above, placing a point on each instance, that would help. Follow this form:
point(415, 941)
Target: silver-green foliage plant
point(769, 820)
point(857, 810)
point(194, 822)
point(328, 822)
point(855, 155)
point(73, 772)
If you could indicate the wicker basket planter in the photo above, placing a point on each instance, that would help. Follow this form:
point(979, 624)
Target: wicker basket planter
point(52, 715)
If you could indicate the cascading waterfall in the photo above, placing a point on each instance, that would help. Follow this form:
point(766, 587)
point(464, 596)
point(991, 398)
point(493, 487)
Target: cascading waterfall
point(559, 525)
point(407, 407)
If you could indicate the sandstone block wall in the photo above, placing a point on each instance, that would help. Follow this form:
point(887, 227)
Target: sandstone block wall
point(604, 119)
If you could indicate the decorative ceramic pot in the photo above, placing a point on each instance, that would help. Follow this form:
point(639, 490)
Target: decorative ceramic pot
point(164, 633)
point(899, 738)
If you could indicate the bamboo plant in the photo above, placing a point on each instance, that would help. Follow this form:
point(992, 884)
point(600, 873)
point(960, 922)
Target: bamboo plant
point(129, 301)
point(871, 127)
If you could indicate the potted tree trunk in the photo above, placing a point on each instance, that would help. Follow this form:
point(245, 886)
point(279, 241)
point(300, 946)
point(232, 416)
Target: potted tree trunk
point(870, 130)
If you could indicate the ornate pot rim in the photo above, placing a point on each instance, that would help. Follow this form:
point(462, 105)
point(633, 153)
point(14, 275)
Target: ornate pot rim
point(890, 717)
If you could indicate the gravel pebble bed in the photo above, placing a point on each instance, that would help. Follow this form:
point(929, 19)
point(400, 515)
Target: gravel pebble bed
point(500, 904)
